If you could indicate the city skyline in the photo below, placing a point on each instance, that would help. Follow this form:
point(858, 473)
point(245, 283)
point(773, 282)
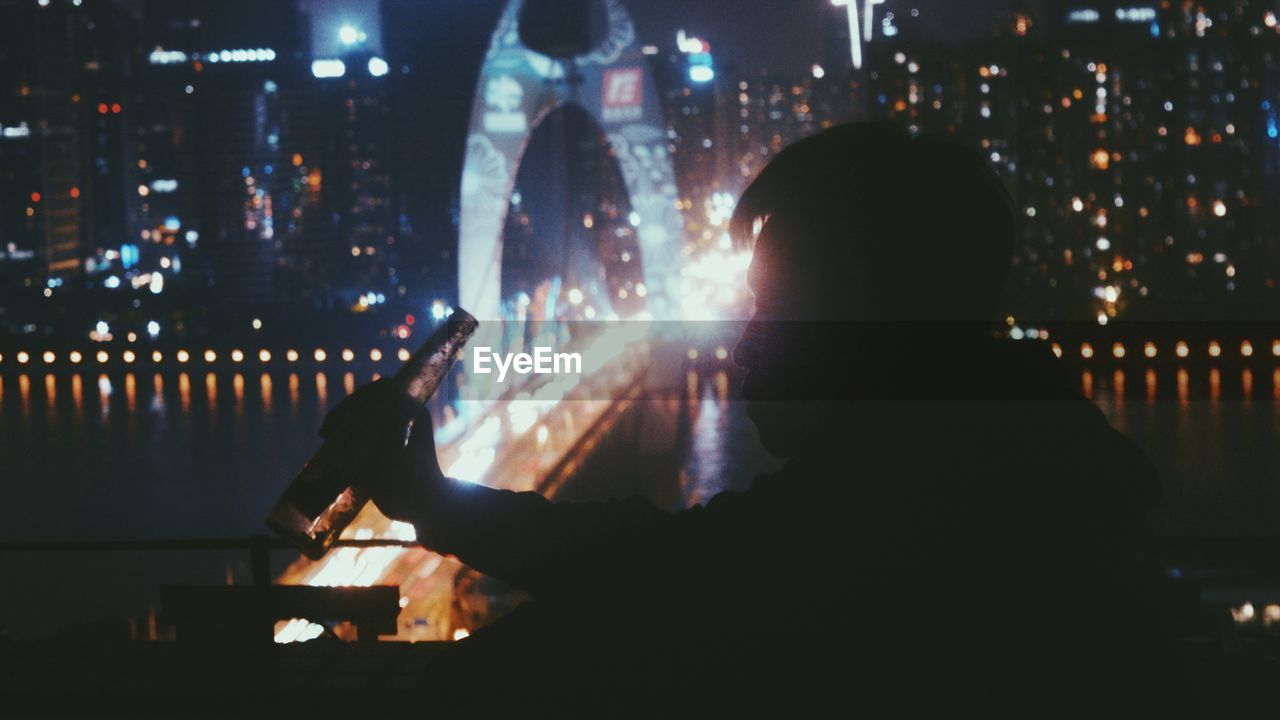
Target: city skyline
point(224, 173)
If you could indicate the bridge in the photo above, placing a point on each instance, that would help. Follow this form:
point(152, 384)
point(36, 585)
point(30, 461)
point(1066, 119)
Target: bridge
point(535, 434)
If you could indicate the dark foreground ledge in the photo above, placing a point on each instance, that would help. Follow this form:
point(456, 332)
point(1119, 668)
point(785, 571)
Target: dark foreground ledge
point(120, 678)
point(88, 678)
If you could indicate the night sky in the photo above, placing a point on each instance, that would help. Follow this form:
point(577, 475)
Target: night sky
point(782, 33)
point(779, 34)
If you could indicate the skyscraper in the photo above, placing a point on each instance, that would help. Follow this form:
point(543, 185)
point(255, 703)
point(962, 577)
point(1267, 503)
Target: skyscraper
point(64, 106)
point(219, 99)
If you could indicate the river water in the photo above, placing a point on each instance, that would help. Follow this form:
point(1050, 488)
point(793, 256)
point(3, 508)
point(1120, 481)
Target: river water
point(142, 455)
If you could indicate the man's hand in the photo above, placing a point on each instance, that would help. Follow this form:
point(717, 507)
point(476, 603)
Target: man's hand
point(406, 475)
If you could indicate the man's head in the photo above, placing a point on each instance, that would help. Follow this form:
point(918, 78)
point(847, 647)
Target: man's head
point(869, 240)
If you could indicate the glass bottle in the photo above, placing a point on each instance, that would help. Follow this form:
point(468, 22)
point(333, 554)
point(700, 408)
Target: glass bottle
point(326, 495)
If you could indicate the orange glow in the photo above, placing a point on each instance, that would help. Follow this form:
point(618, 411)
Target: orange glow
point(1100, 159)
point(1086, 351)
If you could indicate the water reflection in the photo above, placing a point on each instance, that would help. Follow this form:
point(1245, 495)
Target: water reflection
point(723, 451)
point(184, 391)
point(264, 384)
point(157, 394)
point(212, 471)
point(1187, 385)
point(131, 392)
point(104, 395)
point(211, 391)
point(77, 395)
point(237, 386)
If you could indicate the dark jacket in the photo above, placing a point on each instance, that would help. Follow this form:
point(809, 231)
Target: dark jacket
point(973, 544)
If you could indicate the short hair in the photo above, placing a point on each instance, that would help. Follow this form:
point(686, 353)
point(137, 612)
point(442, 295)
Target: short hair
point(931, 221)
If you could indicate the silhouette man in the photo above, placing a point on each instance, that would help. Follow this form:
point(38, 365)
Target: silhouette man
point(955, 527)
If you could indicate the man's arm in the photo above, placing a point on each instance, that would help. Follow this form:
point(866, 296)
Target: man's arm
point(542, 547)
point(563, 549)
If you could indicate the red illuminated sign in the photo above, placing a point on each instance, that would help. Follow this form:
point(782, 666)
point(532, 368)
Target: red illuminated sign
point(623, 94)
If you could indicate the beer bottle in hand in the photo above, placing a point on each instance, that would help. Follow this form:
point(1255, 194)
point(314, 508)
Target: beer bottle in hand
point(326, 496)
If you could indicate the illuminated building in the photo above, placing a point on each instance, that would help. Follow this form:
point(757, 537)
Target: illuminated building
point(63, 117)
point(216, 178)
point(1138, 141)
point(357, 162)
point(696, 95)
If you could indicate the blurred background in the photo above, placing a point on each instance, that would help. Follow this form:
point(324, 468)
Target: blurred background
point(218, 218)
